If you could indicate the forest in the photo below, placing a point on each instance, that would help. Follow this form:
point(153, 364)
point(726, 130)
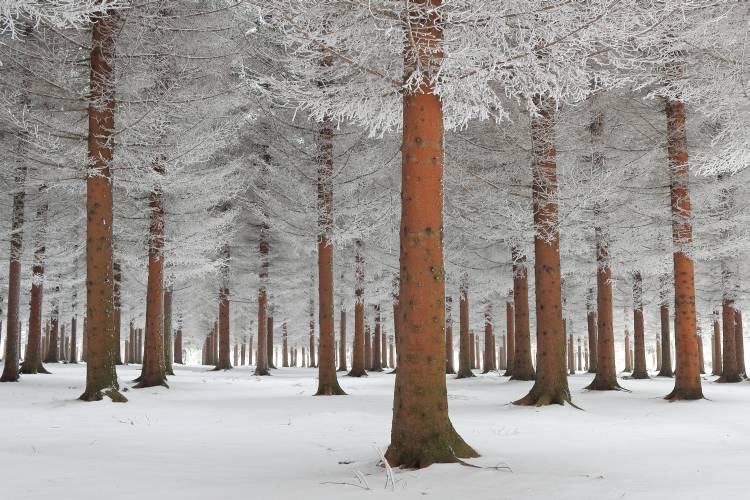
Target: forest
point(502, 243)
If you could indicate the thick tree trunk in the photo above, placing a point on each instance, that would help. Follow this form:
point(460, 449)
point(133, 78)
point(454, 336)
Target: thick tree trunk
point(422, 433)
point(35, 348)
point(523, 367)
point(342, 341)
point(640, 370)
point(358, 345)
point(153, 371)
point(465, 340)
point(740, 341)
point(687, 377)
point(449, 369)
point(101, 378)
point(13, 333)
point(551, 385)
point(328, 384)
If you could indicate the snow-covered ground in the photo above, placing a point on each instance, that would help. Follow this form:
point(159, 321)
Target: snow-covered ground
point(232, 435)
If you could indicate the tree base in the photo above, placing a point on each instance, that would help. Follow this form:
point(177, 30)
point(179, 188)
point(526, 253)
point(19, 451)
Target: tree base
point(10, 378)
point(727, 379)
point(601, 384)
point(357, 373)
point(34, 371)
point(450, 372)
point(260, 373)
point(143, 384)
point(376, 370)
point(523, 376)
point(665, 373)
point(111, 392)
point(465, 374)
point(546, 396)
point(640, 375)
point(685, 395)
point(438, 449)
point(217, 368)
point(508, 373)
point(330, 390)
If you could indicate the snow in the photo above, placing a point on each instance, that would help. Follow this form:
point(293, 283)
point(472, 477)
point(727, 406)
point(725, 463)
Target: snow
point(233, 435)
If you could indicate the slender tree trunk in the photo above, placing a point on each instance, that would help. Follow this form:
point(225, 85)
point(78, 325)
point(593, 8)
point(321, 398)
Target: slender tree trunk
point(510, 348)
point(551, 385)
point(225, 362)
point(729, 373)
point(640, 370)
point(377, 343)
point(628, 365)
point(53, 355)
point(358, 345)
point(35, 348)
point(383, 347)
point(700, 352)
point(101, 378)
point(153, 371)
point(261, 360)
point(523, 367)
point(311, 350)
point(169, 352)
point(740, 340)
point(606, 374)
point(666, 351)
point(571, 356)
point(578, 355)
point(465, 346)
point(392, 354)
point(489, 342)
point(250, 351)
point(368, 348)
point(449, 369)
point(591, 324)
point(342, 341)
point(687, 379)
point(178, 345)
point(269, 338)
point(117, 285)
point(422, 433)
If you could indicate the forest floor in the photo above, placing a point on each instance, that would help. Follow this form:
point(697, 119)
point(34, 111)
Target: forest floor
point(232, 435)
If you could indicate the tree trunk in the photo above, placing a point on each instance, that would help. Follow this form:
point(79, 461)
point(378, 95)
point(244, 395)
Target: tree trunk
point(261, 361)
point(739, 339)
point(269, 338)
point(32, 361)
point(311, 350)
point(700, 352)
point(101, 378)
point(383, 347)
point(53, 351)
point(368, 348)
point(422, 433)
point(449, 369)
point(640, 370)
point(169, 352)
point(377, 343)
point(591, 323)
point(510, 347)
point(178, 345)
point(687, 379)
point(489, 342)
point(358, 345)
point(606, 374)
point(666, 351)
point(729, 373)
point(342, 341)
point(116, 299)
point(523, 367)
point(465, 340)
point(224, 361)
point(13, 333)
point(551, 385)
point(153, 372)
point(628, 365)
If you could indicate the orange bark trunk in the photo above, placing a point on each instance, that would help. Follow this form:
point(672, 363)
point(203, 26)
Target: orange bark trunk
point(640, 370)
point(32, 361)
point(466, 338)
point(449, 369)
point(740, 340)
point(101, 378)
point(687, 377)
point(358, 345)
point(551, 385)
point(591, 330)
point(421, 432)
point(523, 367)
point(342, 341)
